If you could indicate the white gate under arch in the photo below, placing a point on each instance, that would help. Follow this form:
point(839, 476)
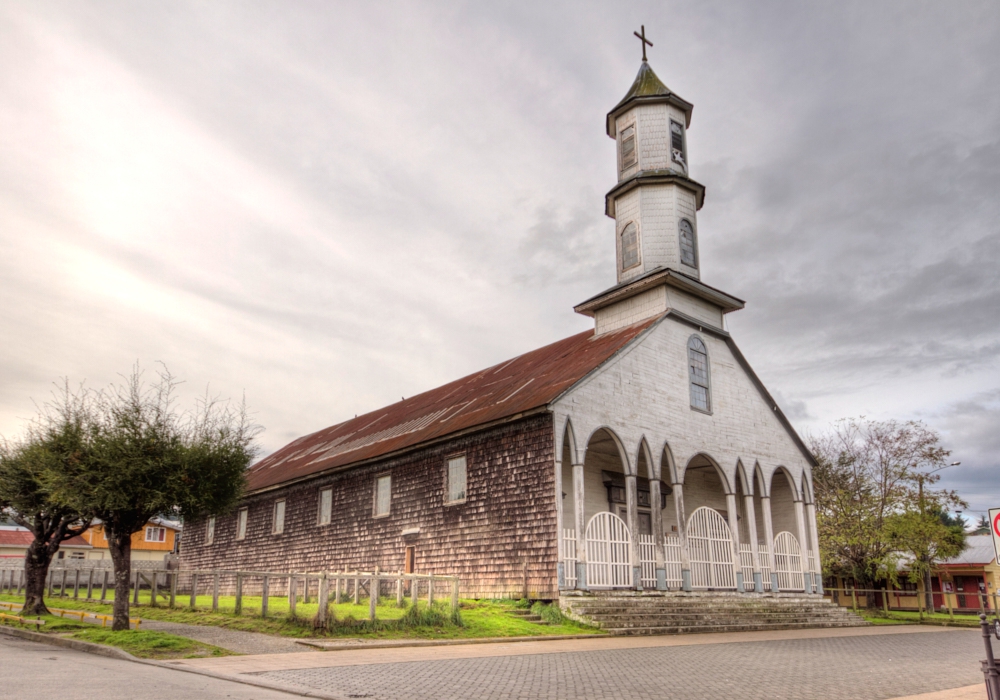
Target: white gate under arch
point(788, 562)
point(711, 546)
point(609, 552)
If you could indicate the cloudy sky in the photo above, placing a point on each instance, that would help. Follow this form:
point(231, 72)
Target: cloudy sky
point(331, 205)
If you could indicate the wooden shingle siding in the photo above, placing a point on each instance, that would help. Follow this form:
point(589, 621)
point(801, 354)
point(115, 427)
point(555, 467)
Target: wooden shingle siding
point(500, 541)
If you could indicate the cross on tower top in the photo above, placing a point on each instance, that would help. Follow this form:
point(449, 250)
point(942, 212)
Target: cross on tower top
point(645, 41)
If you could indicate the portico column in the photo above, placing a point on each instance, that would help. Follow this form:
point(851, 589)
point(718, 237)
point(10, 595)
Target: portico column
point(656, 515)
point(765, 506)
point(581, 540)
point(800, 523)
point(734, 531)
point(818, 567)
point(632, 512)
point(751, 515)
point(561, 566)
point(682, 536)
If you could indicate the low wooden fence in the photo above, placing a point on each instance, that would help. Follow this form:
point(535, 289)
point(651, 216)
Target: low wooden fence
point(890, 600)
point(323, 587)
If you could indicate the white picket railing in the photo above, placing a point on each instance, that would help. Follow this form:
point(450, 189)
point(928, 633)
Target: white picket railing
point(746, 565)
point(609, 552)
point(788, 562)
point(765, 566)
point(673, 562)
point(647, 560)
point(710, 548)
point(569, 557)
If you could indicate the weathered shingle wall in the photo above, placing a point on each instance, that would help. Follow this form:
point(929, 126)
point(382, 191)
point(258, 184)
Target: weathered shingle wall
point(504, 533)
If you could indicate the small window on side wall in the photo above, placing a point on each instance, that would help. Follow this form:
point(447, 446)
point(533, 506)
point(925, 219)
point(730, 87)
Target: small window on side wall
point(210, 530)
point(241, 524)
point(325, 506)
point(701, 397)
point(678, 149)
point(628, 147)
point(278, 522)
point(456, 479)
point(383, 495)
point(689, 255)
point(630, 246)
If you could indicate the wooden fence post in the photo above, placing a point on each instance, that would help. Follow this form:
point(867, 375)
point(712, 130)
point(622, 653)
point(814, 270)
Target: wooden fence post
point(336, 590)
point(135, 595)
point(454, 596)
point(154, 589)
point(90, 585)
point(20, 581)
point(52, 575)
point(193, 600)
point(372, 596)
point(293, 584)
point(323, 600)
point(430, 591)
point(399, 592)
point(239, 594)
point(76, 585)
point(104, 586)
point(265, 589)
point(215, 592)
point(951, 610)
point(885, 602)
point(173, 588)
point(414, 589)
point(854, 598)
point(357, 591)
point(62, 586)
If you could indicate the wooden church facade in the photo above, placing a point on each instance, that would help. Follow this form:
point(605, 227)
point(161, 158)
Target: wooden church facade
point(644, 454)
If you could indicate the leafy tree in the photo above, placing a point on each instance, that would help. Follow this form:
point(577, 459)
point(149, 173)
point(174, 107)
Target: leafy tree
point(927, 537)
point(982, 527)
point(869, 474)
point(58, 439)
point(149, 458)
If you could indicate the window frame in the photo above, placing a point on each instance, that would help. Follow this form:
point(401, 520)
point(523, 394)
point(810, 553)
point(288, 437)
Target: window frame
point(683, 149)
point(278, 524)
point(319, 507)
point(694, 242)
point(210, 530)
point(448, 500)
point(622, 165)
point(707, 386)
point(621, 247)
point(242, 520)
point(388, 510)
point(157, 529)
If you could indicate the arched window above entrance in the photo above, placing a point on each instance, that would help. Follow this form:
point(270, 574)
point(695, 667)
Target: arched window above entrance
point(701, 397)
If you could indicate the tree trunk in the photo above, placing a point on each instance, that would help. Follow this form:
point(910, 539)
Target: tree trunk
point(36, 568)
point(929, 589)
point(120, 547)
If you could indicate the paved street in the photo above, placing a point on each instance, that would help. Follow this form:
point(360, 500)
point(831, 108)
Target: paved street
point(31, 671)
point(849, 668)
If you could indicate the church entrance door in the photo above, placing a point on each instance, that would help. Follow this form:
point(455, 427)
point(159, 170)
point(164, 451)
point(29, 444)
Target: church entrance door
point(788, 562)
point(609, 552)
point(711, 546)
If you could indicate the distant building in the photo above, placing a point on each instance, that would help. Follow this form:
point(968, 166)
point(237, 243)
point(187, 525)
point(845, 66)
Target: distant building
point(153, 542)
point(14, 543)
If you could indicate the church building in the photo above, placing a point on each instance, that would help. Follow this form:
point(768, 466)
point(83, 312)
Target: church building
point(641, 455)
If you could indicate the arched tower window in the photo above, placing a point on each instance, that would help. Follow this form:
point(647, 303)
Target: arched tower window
point(688, 255)
point(701, 398)
point(630, 246)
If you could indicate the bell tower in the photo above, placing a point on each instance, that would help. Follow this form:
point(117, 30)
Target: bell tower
point(655, 207)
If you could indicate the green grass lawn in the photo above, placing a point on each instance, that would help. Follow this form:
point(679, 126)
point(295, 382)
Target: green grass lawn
point(910, 617)
point(479, 619)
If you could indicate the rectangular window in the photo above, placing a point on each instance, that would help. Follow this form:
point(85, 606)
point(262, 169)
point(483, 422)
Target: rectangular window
point(628, 148)
point(383, 494)
point(456, 479)
point(278, 522)
point(678, 152)
point(325, 506)
point(77, 555)
point(241, 524)
point(210, 531)
point(156, 534)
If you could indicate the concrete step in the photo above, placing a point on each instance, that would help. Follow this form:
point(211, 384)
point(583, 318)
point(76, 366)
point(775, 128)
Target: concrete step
point(745, 627)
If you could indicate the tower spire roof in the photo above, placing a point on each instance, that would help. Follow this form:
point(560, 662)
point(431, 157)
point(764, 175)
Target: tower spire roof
point(648, 88)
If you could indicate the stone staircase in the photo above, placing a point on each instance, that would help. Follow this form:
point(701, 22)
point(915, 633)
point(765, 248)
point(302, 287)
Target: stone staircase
point(633, 613)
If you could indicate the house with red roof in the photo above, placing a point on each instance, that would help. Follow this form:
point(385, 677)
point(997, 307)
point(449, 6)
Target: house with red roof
point(643, 454)
point(14, 543)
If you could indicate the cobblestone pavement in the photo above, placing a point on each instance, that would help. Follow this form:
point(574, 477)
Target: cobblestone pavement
point(233, 640)
point(847, 668)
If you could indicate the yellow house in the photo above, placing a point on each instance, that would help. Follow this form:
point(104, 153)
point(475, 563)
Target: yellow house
point(153, 542)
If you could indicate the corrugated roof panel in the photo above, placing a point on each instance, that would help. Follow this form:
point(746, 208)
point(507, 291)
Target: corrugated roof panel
point(517, 385)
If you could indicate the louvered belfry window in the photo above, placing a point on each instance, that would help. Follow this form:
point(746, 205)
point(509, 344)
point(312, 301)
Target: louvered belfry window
point(628, 148)
point(698, 369)
point(630, 246)
point(688, 254)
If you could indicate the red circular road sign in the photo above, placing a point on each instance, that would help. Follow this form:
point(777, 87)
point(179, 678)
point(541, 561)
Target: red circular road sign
point(996, 525)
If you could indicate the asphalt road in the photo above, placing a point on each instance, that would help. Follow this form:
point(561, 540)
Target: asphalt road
point(33, 671)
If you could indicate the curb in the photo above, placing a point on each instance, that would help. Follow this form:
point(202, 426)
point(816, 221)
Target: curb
point(115, 653)
point(445, 642)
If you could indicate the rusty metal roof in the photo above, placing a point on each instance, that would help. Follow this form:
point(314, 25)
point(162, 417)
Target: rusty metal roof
point(524, 383)
point(22, 538)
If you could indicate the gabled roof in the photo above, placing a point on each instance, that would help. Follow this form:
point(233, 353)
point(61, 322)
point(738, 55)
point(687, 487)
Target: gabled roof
point(509, 389)
point(648, 88)
point(978, 552)
point(22, 538)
